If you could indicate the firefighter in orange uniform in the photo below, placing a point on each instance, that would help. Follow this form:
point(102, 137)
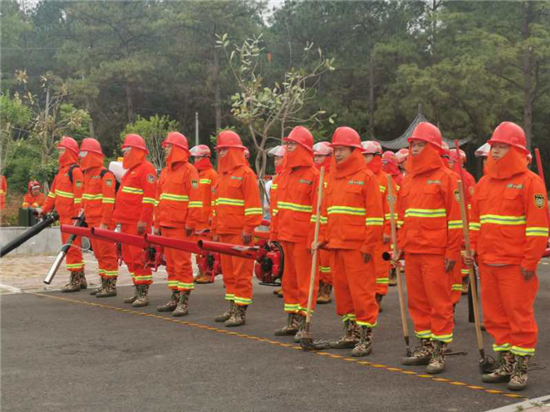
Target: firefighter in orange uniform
point(430, 236)
point(237, 212)
point(34, 198)
point(390, 166)
point(66, 196)
point(98, 201)
point(135, 201)
point(177, 211)
point(352, 220)
point(291, 226)
point(208, 178)
point(509, 227)
point(372, 151)
point(322, 157)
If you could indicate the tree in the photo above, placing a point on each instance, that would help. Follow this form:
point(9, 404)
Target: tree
point(14, 118)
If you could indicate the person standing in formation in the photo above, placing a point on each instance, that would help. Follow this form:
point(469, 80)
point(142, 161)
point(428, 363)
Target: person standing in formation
point(34, 198)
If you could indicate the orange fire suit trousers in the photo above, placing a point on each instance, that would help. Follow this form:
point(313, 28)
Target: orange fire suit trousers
point(325, 274)
point(354, 287)
point(382, 268)
point(74, 260)
point(178, 262)
point(105, 253)
point(507, 300)
point(456, 283)
point(133, 257)
point(429, 296)
point(296, 278)
point(237, 274)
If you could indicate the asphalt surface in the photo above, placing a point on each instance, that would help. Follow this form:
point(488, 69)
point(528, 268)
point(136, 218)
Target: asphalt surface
point(62, 352)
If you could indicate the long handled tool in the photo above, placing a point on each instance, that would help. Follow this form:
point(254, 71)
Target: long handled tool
point(306, 342)
point(541, 172)
point(392, 201)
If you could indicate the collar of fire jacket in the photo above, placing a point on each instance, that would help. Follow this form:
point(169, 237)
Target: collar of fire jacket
point(91, 160)
point(326, 163)
point(300, 157)
point(177, 155)
point(68, 158)
point(135, 157)
point(428, 159)
point(513, 163)
point(375, 164)
point(353, 164)
point(233, 159)
point(203, 163)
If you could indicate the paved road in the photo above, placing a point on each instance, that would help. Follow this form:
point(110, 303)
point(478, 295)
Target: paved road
point(74, 352)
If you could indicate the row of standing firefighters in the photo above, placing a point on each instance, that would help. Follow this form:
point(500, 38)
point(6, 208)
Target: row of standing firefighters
point(508, 226)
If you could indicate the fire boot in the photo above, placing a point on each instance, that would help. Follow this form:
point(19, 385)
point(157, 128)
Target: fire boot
point(83, 282)
point(324, 293)
point(238, 317)
point(142, 299)
point(437, 361)
point(170, 306)
point(99, 289)
point(393, 278)
point(109, 290)
point(350, 339)
point(226, 315)
point(379, 302)
point(292, 324)
point(364, 346)
point(421, 355)
point(301, 328)
point(73, 285)
point(504, 370)
point(132, 298)
point(183, 303)
point(518, 380)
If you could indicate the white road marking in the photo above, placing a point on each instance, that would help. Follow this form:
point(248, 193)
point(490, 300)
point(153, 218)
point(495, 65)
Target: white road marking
point(12, 289)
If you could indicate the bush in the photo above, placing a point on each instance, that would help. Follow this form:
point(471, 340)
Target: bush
point(10, 215)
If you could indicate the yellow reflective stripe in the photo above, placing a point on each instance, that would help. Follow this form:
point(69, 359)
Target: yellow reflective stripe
point(243, 301)
point(77, 200)
point(443, 338)
point(465, 271)
point(274, 187)
point(156, 202)
point(195, 203)
point(382, 189)
point(110, 273)
point(182, 285)
point(387, 216)
point(348, 316)
point(503, 220)
point(290, 307)
point(212, 203)
point(89, 196)
point(144, 277)
point(346, 210)
point(423, 334)
point(51, 194)
point(253, 211)
point(296, 207)
point(536, 231)
point(455, 224)
point(382, 281)
point(456, 287)
point(500, 348)
point(475, 226)
point(324, 269)
point(109, 200)
point(175, 198)
point(61, 193)
point(400, 223)
point(367, 324)
point(275, 211)
point(425, 213)
point(148, 201)
point(374, 221)
point(229, 202)
point(322, 219)
point(205, 181)
point(75, 265)
point(132, 190)
point(516, 350)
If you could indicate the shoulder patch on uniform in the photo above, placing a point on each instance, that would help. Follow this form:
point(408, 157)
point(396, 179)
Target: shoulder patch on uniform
point(194, 183)
point(355, 182)
point(539, 200)
point(109, 182)
point(434, 182)
point(151, 178)
point(79, 184)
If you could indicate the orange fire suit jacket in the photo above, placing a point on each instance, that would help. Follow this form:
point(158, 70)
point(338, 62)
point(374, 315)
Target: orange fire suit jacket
point(65, 196)
point(237, 205)
point(509, 220)
point(208, 178)
point(31, 201)
point(135, 199)
point(178, 200)
point(99, 195)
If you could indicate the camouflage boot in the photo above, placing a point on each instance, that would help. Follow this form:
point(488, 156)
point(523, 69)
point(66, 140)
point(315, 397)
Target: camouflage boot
point(132, 298)
point(437, 361)
point(109, 290)
point(350, 339)
point(73, 285)
point(292, 324)
point(364, 346)
point(183, 303)
point(226, 315)
point(379, 302)
point(170, 306)
point(301, 328)
point(83, 282)
point(238, 317)
point(518, 380)
point(143, 299)
point(99, 289)
point(324, 293)
point(505, 367)
point(421, 355)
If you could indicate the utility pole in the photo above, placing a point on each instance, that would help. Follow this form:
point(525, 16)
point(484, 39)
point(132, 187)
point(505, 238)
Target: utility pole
point(196, 128)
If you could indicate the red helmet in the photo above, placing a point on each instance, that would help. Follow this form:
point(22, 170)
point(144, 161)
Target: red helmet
point(200, 151)
point(68, 143)
point(90, 145)
point(134, 140)
point(33, 183)
point(371, 147)
point(389, 157)
point(227, 139)
point(322, 149)
point(445, 150)
point(509, 133)
point(427, 132)
point(176, 139)
point(277, 151)
point(302, 136)
point(402, 155)
point(346, 136)
point(454, 156)
point(246, 153)
point(483, 150)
